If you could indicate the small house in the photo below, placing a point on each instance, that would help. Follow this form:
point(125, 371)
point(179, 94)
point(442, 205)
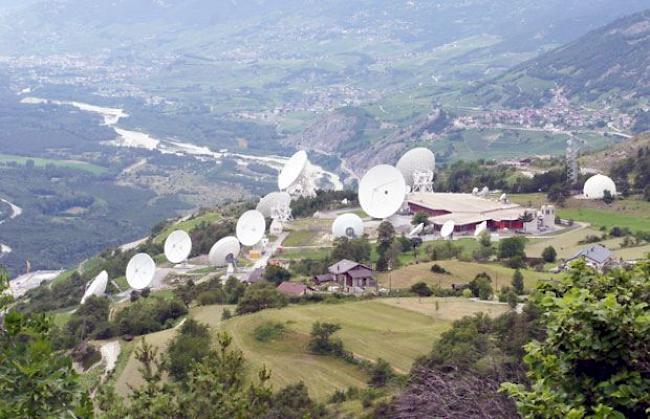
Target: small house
point(595, 255)
point(294, 289)
point(351, 274)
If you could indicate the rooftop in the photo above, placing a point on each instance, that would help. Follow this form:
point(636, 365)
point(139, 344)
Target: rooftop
point(459, 202)
point(292, 288)
point(344, 266)
point(596, 252)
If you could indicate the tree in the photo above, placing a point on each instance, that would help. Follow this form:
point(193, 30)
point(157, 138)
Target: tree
point(385, 236)
point(421, 289)
point(484, 289)
point(35, 380)
point(420, 217)
point(380, 374)
point(321, 342)
point(276, 274)
point(593, 360)
point(191, 345)
point(518, 282)
point(549, 254)
point(511, 247)
point(475, 284)
point(259, 297)
point(357, 250)
point(608, 198)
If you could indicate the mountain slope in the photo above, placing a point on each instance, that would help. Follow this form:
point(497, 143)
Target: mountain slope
point(608, 64)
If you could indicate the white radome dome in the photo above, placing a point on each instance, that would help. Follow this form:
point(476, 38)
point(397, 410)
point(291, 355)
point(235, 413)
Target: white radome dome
point(596, 186)
point(416, 160)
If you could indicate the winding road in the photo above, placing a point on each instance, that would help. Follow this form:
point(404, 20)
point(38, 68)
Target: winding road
point(16, 211)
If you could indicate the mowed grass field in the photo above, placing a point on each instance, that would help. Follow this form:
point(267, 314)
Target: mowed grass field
point(398, 330)
point(459, 273)
point(40, 162)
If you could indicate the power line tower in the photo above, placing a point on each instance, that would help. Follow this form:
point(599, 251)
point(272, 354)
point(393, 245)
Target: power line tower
point(572, 152)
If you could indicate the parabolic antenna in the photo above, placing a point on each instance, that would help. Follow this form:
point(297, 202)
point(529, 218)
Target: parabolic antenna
point(292, 170)
point(270, 204)
point(97, 286)
point(140, 271)
point(417, 230)
point(382, 191)
point(484, 192)
point(503, 198)
point(480, 228)
point(416, 160)
point(596, 186)
point(224, 252)
point(447, 229)
point(251, 227)
point(347, 225)
point(178, 246)
point(475, 191)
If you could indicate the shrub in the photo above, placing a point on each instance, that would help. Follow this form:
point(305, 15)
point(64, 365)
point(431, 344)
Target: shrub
point(421, 289)
point(515, 262)
point(226, 314)
point(437, 269)
point(518, 282)
point(467, 293)
point(549, 254)
point(268, 331)
point(380, 373)
point(512, 247)
point(259, 297)
point(211, 297)
point(188, 347)
point(276, 274)
point(321, 341)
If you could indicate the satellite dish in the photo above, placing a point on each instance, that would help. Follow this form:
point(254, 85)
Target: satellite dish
point(417, 230)
point(447, 229)
point(224, 252)
point(97, 286)
point(484, 192)
point(382, 191)
point(475, 191)
point(347, 225)
point(140, 271)
point(292, 170)
point(251, 227)
point(271, 203)
point(178, 246)
point(503, 198)
point(416, 160)
point(480, 228)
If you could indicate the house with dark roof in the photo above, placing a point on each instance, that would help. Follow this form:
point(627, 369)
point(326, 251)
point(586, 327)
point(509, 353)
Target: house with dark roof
point(349, 275)
point(595, 255)
point(323, 279)
point(294, 289)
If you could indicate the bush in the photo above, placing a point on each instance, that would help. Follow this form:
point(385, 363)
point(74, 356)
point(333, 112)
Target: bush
point(147, 316)
point(512, 247)
point(259, 297)
point(484, 290)
point(518, 282)
point(437, 269)
point(276, 274)
point(467, 293)
point(380, 373)
point(515, 262)
point(421, 289)
point(268, 331)
point(226, 314)
point(211, 297)
point(549, 254)
point(321, 342)
point(190, 346)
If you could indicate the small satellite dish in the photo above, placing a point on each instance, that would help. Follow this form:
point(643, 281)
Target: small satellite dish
point(140, 271)
point(97, 286)
point(251, 227)
point(178, 246)
point(503, 198)
point(417, 230)
point(447, 229)
point(484, 192)
point(475, 191)
point(292, 170)
point(224, 252)
point(382, 191)
point(480, 228)
point(347, 225)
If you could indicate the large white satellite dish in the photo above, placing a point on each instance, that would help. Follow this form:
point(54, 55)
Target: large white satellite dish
point(292, 170)
point(224, 252)
point(178, 246)
point(140, 271)
point(417, 230)
point(251, 227)
point(382, 191)
point(480, 228)
point(276, 205)
point(417, 167)
point(347, 225)
point(97, 286)
point(447, 229)
point(484, 192)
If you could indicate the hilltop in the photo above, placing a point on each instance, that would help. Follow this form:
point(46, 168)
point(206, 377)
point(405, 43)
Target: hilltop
point(607, 65)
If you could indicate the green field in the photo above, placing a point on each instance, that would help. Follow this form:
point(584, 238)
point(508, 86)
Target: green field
point(302, 238)
point(460, 273)
point(410, 327)
point(607, 218)
point(40, 162)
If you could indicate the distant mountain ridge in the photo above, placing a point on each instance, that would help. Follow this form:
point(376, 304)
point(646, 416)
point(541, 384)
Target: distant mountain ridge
point(609, 64)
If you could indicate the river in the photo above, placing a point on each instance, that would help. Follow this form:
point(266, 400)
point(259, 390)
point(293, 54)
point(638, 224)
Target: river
point(138, 139)
point(16, 211)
